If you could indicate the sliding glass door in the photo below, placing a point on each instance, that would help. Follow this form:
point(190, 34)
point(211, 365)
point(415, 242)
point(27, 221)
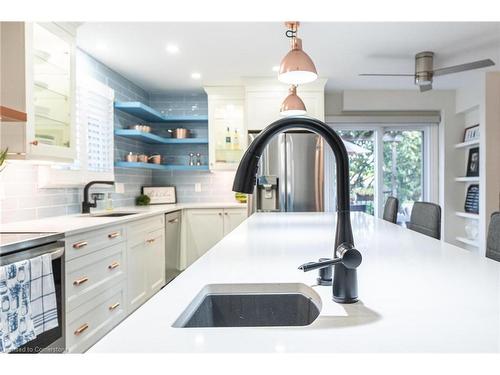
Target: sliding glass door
point(403, 168)
point(389, 160)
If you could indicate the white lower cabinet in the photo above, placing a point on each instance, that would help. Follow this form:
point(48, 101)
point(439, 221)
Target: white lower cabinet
point(203, 228)
point(145, 260)
point(109, 273)
point(112, 271)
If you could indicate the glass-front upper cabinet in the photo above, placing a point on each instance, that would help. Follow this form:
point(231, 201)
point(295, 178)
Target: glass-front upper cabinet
point(51, 92)
point(226, 127)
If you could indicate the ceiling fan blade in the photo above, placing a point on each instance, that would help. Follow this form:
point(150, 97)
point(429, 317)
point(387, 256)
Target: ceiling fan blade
point(463, 67)
point(385, 75)
point(424, 88)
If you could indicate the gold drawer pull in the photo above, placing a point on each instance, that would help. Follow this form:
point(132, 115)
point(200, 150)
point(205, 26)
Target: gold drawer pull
point(80, 244)
point(80, 281)
point(113, 265)
point(113, 235)
point(173, 221)
point(112, 307)
point(81, 329)
point(151, 240)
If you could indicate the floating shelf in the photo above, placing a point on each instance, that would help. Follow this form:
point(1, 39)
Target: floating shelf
point(467, 144)
point(156, 139)
point(162, 167)
point(467, 179)
point(467, 241)
point(467, 215)
point(149, 114)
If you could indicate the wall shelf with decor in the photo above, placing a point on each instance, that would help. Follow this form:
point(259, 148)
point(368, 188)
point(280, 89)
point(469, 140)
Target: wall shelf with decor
point(467, 241)
point(467, 144)
point(467, 179)
point(146, 113)
point(162, 167)
point(467, 170)
point(467, 215)
point(156, 139)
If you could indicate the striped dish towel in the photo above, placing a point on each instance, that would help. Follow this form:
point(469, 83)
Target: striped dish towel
point(16, 325)
point(43, 296)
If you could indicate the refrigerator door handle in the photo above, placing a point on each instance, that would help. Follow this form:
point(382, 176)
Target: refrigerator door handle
point(319, 178)
point(289, 171)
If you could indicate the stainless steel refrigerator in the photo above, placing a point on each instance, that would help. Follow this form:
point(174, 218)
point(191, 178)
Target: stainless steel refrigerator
point(291, 174)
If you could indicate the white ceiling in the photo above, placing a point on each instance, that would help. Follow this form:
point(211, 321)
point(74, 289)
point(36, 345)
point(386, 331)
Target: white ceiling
point(225, 52)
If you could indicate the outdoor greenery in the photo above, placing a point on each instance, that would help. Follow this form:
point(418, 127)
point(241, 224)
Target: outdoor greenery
point(406, 184)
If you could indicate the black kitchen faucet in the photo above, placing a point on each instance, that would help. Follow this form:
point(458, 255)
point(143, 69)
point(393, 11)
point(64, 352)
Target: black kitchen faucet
point(86, 204)
point(346, 257)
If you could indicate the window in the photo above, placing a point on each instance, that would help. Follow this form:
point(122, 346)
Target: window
point(389, 159)
point(94, 139)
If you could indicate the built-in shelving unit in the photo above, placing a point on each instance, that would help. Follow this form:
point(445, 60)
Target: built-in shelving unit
point(149, 114)
point(162, 167)
point(156, 139)
point(467, 215)
point(467, 241)
point(467, 179)
point(467, 144)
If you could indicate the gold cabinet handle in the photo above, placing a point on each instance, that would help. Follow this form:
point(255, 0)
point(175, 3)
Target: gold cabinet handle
point(225, 213)
point(81, 329)
point(172, 221)
point(151, 240)
point(113, 265)
point(114, 306)
point(34, 143)
point(220, 213)
point(80, 244)
point(80, 281)
point(113, 235)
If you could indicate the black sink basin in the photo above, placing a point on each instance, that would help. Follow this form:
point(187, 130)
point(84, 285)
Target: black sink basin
point(114, 214)
point(251, 309)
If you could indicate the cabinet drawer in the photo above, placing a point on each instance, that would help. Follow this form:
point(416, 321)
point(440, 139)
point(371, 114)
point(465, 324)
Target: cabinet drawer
point(146, 225)
point(92, 320)
point(88, 276)
point(88, 242)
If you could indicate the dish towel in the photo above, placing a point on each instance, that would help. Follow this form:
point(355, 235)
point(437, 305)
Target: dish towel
point(43, 296)
point(16, 324)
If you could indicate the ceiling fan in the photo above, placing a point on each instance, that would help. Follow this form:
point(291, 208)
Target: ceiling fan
point(424, 71)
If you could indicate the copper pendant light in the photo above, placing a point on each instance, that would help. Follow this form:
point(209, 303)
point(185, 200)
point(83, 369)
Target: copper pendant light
point(293, 105)
point(296, 67)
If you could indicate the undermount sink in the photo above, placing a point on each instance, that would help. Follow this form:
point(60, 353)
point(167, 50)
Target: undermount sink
point(110, 214)
point(251, 305)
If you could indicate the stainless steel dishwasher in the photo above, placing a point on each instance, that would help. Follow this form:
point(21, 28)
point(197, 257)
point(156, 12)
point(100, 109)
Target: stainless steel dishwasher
point(172, 245)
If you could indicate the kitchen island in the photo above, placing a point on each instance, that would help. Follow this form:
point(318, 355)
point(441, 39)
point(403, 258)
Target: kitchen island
point(417, 294)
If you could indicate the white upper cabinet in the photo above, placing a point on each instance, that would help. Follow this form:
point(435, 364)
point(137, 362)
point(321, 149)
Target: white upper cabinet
point(264, 98)
point(226, 127)
point(47, 53)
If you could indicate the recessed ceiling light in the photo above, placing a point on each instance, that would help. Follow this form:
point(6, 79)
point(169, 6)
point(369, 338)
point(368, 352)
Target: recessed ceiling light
point(195, 75)
point(172, 48)
point(276, 68)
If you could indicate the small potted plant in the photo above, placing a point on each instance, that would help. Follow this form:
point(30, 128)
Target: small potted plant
point(142, 200)
point(3, 158)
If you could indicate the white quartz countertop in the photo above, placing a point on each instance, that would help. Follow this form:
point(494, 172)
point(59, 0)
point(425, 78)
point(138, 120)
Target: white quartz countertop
point(72, 224)
point(416, 294)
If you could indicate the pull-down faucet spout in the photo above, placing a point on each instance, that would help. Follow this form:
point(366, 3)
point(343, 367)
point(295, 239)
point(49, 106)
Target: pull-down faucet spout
point(345, 288)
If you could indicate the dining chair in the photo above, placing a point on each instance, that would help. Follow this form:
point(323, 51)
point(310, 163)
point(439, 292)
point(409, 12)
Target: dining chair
point(426, 219)
point(493, 241)
point(391, 210)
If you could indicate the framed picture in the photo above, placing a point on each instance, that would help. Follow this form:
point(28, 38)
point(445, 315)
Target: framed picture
point(473, 163)
point(472, 199)
point(471, 133)
point(160, 194)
